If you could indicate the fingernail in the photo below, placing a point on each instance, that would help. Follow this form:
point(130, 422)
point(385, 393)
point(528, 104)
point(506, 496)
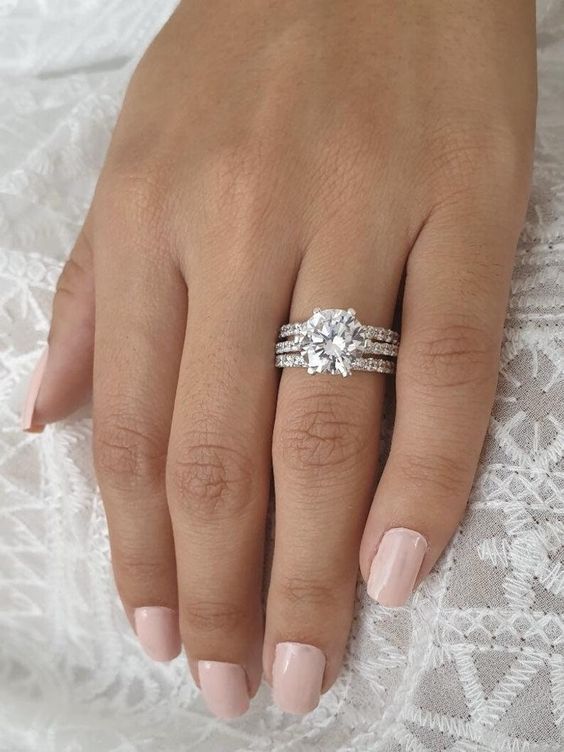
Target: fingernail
point(224, 688)
point(31, 396)
point(297, 676)
point(158, 632)
point(395, 567)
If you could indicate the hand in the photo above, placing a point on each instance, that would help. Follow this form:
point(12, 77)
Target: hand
point(271, 158)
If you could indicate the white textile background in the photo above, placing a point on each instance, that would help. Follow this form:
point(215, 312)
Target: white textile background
point(474, 664)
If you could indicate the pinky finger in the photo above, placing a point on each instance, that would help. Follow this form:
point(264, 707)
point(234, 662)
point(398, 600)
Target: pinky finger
point(454, 306)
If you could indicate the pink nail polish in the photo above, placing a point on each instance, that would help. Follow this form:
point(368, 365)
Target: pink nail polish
point(297, 676)
point(224, 688)
point(395, 566)
point(158, 632)
point(31, 396)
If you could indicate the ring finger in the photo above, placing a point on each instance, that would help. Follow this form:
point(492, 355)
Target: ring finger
point(325, 450)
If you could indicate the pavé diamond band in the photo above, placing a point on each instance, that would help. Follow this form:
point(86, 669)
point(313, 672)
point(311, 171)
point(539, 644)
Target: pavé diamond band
point(334, 341)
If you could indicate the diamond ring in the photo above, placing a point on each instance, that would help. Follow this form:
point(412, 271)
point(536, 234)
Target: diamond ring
point(334, 341)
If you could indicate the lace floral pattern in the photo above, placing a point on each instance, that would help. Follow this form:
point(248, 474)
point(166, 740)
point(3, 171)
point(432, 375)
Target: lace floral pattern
point(475, 664)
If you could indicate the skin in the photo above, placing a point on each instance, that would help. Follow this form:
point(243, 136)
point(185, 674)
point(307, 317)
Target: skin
point(269, 158)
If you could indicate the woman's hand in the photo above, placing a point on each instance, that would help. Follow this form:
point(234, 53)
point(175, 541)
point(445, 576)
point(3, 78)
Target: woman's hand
point(271, 158)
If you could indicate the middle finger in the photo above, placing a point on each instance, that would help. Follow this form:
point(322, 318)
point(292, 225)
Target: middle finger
point(218, 476)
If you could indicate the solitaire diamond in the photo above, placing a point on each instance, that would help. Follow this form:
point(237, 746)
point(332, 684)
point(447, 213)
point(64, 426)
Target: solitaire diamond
point(330, 340)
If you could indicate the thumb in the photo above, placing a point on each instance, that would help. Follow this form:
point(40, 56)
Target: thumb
point(62, 379)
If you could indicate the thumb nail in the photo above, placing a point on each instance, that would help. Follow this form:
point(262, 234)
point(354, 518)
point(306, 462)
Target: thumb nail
point(28, 413)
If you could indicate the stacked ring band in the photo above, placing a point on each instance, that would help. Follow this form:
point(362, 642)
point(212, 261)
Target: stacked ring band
point(334, 341)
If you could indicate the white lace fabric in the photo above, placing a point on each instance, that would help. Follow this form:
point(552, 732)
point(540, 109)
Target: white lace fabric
point(474, 664)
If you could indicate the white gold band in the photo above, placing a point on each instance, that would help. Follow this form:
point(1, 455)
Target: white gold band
point(371, 365)
point(369, 332)
point(368, 348)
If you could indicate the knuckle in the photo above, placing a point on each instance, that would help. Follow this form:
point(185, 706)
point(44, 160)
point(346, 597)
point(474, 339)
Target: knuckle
point(237, 168)
point(74, 278)
point(212, 616)
point(135, 199)
point(68, 285)
point(133, 568)
point(435, 470)
point(240, 181)
point(126, 454)
point(348, 158)
point(294, 590)
point(320, 434)
point(477, 159)
point(210, 480)
point(453, 355)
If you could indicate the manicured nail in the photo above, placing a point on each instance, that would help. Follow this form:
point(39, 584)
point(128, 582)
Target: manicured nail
point(32, 392)
point(395, 567)
point(297, 676)
point(158, 632)
point(224, 688)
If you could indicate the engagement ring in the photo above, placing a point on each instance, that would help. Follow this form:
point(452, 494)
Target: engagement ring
point(334, 341)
